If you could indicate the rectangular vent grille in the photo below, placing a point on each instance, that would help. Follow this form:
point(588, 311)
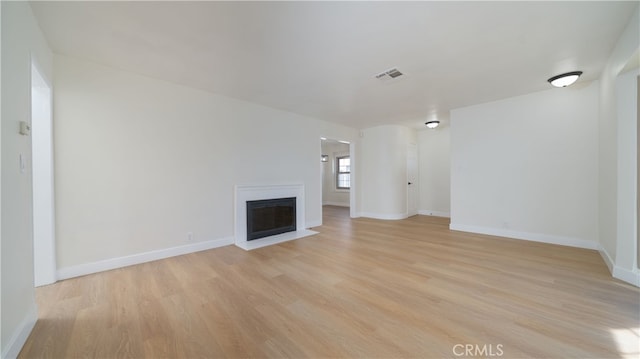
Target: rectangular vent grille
point(392, 73)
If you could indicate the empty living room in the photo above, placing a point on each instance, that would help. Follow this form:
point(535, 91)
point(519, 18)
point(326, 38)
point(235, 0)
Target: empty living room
point(319, 179)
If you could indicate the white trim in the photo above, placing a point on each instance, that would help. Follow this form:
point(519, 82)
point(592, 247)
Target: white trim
point(527, 236)
point(338, 204)
point(334, 171)
point(428, 212)
point(316, 223)
point(113, 263)
point(630, 276)
point(279, 238)
point(20, 336)
point(607, 259)
point(42, 182)
point(383, 216)
point(353, 211)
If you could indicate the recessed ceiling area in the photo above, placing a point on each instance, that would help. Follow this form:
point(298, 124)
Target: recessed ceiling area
point(318, 58)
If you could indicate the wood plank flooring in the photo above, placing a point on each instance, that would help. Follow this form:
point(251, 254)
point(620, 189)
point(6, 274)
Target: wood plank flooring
point(361, 288)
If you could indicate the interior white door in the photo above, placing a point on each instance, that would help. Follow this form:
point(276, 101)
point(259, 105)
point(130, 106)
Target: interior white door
point(412, 180)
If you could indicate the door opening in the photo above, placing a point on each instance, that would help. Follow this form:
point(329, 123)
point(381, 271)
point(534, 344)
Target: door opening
point(338, 173)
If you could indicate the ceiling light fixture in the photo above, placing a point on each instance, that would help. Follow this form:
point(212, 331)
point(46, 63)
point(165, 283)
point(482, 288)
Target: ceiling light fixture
point(432, 124)
point(565, 80)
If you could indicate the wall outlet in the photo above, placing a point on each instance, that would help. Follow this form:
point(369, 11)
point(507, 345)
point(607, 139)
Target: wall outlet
point(189, 236)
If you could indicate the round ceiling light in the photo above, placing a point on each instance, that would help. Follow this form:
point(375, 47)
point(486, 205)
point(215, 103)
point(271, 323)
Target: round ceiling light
point(432, 124)
point(565, 80)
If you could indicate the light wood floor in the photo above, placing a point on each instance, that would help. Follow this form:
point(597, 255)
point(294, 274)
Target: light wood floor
point(360, 288)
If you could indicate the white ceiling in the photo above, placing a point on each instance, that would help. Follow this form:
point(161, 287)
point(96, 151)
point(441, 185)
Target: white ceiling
point(320, 58)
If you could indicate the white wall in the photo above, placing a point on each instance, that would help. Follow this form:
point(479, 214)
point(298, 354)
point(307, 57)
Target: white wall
point(383, 171)
point(330, 195)
point(140, 162)
point(21, 38)
point(526, 167)
point(435, 166)
point(609, 156)
point(1, 338)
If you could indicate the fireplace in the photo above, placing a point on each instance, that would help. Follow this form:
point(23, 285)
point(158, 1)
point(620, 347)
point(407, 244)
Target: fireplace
point(288, 220)
point(270, 217)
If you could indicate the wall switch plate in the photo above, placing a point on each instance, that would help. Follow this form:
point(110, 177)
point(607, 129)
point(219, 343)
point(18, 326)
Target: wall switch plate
point(25, 128)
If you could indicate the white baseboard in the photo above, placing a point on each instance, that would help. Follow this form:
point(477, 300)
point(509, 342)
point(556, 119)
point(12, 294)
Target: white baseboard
point(607, 259)
point(428, 212)
point(338, 204)
point(535, 237)
point(113, 263)
point(19, 337)
point(279, 238)
point(630, 276)
point(315, 223)
point(394, 216)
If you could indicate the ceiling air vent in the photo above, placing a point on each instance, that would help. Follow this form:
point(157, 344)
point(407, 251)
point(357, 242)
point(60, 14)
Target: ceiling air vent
point(391, 73)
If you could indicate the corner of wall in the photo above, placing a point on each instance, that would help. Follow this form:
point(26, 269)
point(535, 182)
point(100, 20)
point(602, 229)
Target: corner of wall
point(428, 212)
point(20, 335)
point(384, 216)
point(615, 222)
point(21, 39)
point(629, 276)
point(606, 257)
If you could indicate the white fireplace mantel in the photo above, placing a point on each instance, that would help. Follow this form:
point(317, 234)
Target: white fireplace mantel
point(244, 193)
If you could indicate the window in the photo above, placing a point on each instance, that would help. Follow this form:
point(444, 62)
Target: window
point(343, 172)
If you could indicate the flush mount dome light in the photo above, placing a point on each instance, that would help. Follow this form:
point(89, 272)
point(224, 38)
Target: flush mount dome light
point(432, 124)
point(565, 80)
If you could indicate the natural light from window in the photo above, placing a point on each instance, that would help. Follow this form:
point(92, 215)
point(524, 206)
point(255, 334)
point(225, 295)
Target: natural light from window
point(343, 172)
point(628, 342)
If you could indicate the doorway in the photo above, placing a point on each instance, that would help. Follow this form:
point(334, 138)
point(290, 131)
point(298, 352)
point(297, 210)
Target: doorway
point(44, 251)
point(337, 173)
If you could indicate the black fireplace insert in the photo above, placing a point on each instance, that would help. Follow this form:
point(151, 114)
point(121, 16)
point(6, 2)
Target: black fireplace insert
point(270, 217)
